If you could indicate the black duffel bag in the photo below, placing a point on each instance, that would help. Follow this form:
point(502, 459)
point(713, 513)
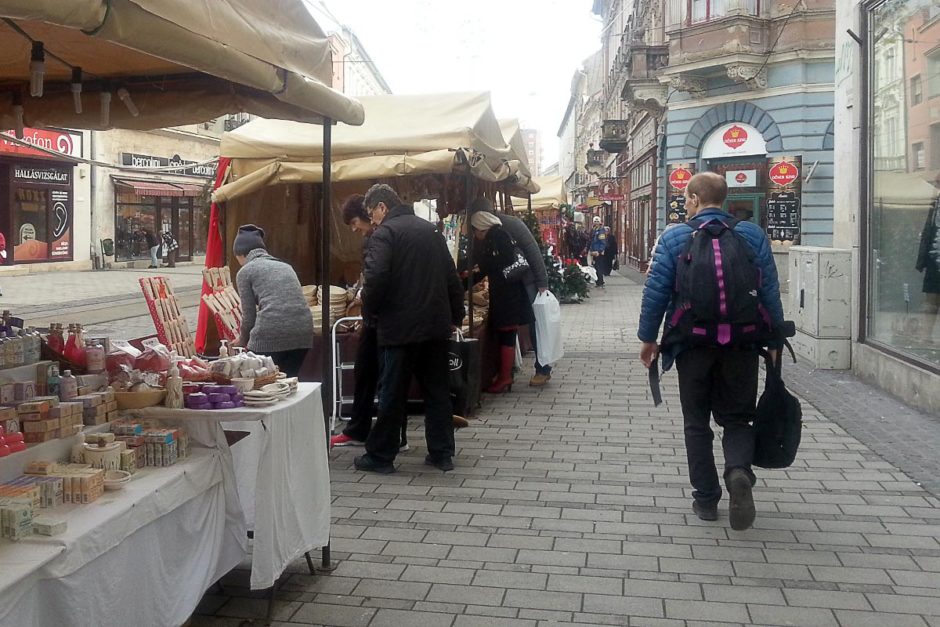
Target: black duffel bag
point(778, 423)
point(463, 358)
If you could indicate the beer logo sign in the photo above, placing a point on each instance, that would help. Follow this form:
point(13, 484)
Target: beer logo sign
point(454, 362)
point(783, 174)
point(734, 137)
point(679, 178)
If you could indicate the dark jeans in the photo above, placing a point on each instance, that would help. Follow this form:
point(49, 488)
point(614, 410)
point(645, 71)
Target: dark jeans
point(426, 362)
point(367, 381)
point(601, 264)
point(289, 362)
point(722, 381)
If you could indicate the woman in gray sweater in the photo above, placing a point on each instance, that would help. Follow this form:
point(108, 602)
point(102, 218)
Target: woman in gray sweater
point(275, 318)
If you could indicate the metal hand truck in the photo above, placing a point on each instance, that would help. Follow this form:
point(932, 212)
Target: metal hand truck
point(337, 375)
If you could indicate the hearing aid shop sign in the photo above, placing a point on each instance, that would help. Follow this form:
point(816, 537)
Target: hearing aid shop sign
point(62, 142)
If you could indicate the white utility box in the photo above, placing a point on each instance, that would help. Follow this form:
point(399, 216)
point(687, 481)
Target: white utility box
point(821, 305)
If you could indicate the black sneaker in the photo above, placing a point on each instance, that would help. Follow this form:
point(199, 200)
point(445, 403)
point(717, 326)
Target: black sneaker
point(705, 512)
point(741, 510)
point(445, 463)
point(367, 463)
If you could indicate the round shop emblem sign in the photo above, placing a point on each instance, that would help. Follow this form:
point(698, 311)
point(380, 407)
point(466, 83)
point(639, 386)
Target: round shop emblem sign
point(734, 137)
point(741, 177)
point(679, 179)
point(454, 361)
point(783, 174)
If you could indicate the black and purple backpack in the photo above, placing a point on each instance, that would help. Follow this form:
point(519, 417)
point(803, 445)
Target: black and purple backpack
point(717, 290)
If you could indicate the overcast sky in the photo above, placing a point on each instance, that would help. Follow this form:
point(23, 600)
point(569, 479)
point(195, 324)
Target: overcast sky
point(522, 51)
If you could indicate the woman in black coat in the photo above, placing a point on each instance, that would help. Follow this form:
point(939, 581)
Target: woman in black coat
point(509, 303)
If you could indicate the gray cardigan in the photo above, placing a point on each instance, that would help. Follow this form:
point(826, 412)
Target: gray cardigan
point(275, 316)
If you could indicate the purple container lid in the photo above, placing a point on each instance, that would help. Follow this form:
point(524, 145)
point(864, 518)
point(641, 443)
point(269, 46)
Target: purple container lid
point(212, 389)
point(219, 398)
point(226, 389)
point(197, 397)
point(224, 405)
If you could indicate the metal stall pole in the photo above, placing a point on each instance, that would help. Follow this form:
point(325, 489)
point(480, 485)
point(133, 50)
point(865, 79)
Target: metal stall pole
point(326, 208)
point(470, 240)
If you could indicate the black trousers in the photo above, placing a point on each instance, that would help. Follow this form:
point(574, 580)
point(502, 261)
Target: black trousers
point(427, 363)
point(367, 381)
point(289, 362)
point(723, 382)
point(601, 265)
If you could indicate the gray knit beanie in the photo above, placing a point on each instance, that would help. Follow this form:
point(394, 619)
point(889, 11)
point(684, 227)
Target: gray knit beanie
point(248, 239)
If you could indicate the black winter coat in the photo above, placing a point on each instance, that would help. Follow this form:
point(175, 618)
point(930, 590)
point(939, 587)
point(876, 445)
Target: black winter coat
point(509, 302)
point(411, 284)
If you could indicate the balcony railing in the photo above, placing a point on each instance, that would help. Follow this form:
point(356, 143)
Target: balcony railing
point(690, 12)
point(595, 159)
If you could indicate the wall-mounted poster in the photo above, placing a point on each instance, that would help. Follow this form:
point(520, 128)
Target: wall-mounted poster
point(784, 199)
point(41, 211)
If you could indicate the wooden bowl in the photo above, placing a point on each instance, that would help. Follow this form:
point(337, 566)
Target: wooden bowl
point(139, 400)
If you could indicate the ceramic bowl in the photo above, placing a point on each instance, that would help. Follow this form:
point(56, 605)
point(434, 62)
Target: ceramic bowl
point(116, 479)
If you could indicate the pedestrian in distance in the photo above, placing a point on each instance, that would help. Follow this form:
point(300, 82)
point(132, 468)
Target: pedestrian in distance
point(715, 281)
point(509, 303)
point(535, 280)
point(600, 241)
point(153, 245)
point(170, 248)
point(412, 290)
point(275, 318)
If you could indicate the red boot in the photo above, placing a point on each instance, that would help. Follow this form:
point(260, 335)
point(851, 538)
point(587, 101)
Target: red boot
point(507, 359)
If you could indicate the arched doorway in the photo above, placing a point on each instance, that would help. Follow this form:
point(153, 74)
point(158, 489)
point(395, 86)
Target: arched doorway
point(738, 152)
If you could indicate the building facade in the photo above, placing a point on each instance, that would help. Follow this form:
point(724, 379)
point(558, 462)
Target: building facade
point(354, 72)
point(740, 87)
point(533, 148)
point(887, 144)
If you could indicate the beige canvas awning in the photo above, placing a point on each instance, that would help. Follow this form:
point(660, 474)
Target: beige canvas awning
point(182, 61)
point(551, 194)
point(401, 136)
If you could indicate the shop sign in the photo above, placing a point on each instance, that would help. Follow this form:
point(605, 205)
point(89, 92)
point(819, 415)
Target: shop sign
point(49, 176)
point(784, 201)
point(735, 137)
point(609, 190)
point(191, 168)
point(679, 179)
point(734, 140)
point(679, 175)
point(741, 178)
point(784, 174)
point(65, 143)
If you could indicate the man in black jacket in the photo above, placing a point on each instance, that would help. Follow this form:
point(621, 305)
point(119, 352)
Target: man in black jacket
point(412, 290)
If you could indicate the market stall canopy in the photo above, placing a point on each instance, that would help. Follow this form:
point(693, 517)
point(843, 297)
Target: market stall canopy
point(402, 136)
point(512, 133)
point(551, 194)
point(180, 62)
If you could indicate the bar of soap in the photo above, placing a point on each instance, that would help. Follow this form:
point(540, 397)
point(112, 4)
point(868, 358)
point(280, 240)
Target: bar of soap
point(49, 526)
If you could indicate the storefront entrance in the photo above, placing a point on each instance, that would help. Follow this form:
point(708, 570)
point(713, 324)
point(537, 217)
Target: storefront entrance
point(158, 207)
point(747, 186)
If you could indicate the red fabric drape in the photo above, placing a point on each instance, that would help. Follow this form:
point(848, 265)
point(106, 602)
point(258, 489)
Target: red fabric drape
point(215, 257)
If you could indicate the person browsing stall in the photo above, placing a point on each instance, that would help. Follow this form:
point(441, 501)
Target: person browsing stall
point(275, 318)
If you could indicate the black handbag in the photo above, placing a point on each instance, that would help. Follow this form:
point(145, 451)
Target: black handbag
point(516, 271)
point(778, 423)
point(463, 358)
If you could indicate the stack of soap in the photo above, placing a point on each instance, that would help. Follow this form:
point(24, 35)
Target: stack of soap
point(36, 422)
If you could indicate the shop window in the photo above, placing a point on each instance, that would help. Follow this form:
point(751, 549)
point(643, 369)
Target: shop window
point(903, 238)
point(133, 215)
point(917, 90)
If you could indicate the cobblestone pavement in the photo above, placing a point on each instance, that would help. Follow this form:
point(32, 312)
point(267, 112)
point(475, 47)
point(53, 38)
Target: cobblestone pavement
point(571, 505)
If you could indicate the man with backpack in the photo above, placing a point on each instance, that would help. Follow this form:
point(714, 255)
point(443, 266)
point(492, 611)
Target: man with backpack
point(714, 280)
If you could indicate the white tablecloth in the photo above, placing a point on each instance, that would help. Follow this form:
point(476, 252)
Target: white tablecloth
point(281, 473)
point(142, 555)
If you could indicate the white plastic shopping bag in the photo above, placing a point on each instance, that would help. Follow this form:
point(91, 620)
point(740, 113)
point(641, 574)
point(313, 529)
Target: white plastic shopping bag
point(519, 364)
point(548, 328)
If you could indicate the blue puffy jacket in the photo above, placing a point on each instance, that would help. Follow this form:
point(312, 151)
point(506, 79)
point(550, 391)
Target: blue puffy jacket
point(660, 284)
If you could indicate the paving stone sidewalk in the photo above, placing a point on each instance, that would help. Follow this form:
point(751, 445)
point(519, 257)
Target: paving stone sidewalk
point(570, 505)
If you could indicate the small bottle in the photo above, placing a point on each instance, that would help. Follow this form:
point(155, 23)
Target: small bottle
point(54, 340)
point(95, 357)
point(174, 388)
point(223, 349)
point(78, 450)
point(52, 380)
point(68, 386)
